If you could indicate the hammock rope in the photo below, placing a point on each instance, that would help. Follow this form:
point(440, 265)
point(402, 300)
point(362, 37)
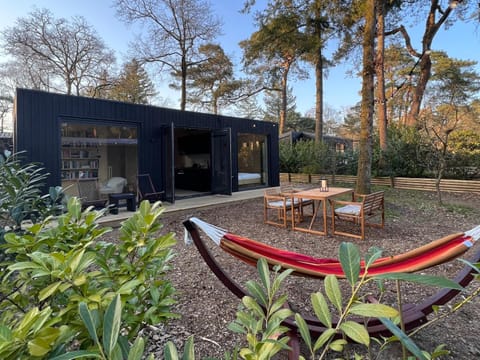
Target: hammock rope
point(423, 257)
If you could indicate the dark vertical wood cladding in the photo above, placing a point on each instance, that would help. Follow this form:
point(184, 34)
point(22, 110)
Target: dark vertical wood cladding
point(39, 114)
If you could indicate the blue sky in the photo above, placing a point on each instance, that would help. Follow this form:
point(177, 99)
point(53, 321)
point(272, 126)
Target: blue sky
point(341, 90)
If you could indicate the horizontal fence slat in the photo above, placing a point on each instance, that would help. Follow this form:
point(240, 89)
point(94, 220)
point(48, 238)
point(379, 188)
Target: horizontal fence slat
point(451, 185)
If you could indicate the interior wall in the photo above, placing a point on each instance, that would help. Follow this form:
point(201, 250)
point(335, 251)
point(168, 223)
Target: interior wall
point(116, 154)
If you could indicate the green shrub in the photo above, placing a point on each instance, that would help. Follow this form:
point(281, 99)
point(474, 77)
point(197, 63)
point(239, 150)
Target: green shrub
point(308, 157)
point(21, 198)
point(407, 154)
point(62, 263)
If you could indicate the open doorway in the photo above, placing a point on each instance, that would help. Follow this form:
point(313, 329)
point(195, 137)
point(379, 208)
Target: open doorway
point(192, 162)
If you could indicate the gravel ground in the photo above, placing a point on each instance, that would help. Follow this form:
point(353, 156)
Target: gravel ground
point(413, 218)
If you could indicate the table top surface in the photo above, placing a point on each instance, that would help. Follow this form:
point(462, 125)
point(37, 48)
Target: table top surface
point(317, 194)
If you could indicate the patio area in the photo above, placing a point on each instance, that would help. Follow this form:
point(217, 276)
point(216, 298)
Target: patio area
point(114, 220)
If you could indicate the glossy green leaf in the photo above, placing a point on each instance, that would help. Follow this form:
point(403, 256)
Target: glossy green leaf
point(38, 347)
point(5, 334)
point(404, 339)
point(303, 329)
point(79, 354)
point(257, 292)
point(170, 351)
point(76, 259)
point(374, 310)
point(338, 345)
point(48, 334)
point(422, 279)
point(251, 304)
point(235, 327)
point(349, 257)
point(281, 315)
point(373, 253)
point(324, 338)
point(49, 290)
point(332, 289)
point(320, 307)
point(280, 278)
point(279, 303)
point(80, 280)
point(474, 266)
point(136, 351)
point(189, 350)
point(27, 322)
point(264, 273)
point(116, 353)
point(111, 324)
point(129, 286)
point(25, 265)
point(356, 332)
point(87, 319)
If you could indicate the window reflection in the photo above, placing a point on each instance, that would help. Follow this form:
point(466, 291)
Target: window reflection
point(98, 152)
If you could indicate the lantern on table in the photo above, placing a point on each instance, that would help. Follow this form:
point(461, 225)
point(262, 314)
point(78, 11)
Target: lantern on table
point(323, 184)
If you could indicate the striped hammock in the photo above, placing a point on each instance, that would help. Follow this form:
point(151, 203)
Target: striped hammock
point(250, 251)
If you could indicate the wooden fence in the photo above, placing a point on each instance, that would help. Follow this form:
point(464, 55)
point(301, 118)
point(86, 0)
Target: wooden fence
point(471, 186)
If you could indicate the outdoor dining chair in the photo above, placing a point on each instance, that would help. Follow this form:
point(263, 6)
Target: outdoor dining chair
point(88, 191)
point(146, 190)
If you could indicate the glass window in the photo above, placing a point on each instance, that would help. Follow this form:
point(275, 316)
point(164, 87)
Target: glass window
point(252, 160)
point(99, 152)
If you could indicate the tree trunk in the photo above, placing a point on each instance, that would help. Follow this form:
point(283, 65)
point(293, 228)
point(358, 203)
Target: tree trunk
point(425, 68)
point(283, 109)
point(425, 64)
point(183, 100)
point(379, 70)
point(319, 97)
point(364, 170)
point(438, 180)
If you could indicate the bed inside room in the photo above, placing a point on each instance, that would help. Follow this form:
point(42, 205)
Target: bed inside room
point(246, 178)
point(252, 160)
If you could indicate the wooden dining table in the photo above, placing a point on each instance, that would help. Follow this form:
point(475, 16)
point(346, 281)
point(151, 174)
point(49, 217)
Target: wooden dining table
point(318, 196)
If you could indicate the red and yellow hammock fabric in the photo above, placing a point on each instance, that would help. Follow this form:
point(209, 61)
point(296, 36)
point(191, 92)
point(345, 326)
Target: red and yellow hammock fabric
point(250, 251)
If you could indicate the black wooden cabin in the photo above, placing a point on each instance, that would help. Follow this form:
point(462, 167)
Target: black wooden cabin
point(186, 153)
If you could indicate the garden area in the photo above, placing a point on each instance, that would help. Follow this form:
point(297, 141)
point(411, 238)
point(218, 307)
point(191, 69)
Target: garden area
point(413, 218)
point(73, 289)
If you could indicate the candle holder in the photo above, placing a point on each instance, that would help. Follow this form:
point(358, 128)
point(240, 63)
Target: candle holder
point(323, 185)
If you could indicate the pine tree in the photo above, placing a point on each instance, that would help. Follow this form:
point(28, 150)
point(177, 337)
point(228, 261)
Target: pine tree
point(133, 85)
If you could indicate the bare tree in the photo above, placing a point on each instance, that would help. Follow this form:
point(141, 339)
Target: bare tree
point(175, 29)
point(57, 50)
point(439, 14)
point(6, 104)
point(455, 84)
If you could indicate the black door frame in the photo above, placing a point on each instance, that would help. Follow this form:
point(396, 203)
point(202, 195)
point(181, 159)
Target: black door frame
point(221, 155)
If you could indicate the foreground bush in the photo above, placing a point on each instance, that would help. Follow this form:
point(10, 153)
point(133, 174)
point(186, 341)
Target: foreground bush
point(21, 198)
point(62, 263)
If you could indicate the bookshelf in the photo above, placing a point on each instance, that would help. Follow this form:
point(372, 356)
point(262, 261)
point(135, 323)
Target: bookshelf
point(79, 163)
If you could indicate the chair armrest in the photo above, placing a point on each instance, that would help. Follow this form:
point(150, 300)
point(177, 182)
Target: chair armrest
point(344, 202)
point(359, 196)
point(274, 197)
